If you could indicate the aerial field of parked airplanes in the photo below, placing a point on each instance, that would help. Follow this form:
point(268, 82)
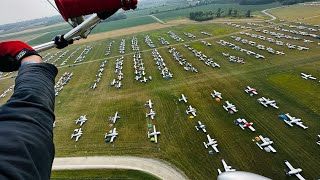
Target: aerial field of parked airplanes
point(245, 94)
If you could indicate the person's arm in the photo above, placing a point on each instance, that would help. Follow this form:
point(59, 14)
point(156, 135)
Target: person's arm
point(26, 138)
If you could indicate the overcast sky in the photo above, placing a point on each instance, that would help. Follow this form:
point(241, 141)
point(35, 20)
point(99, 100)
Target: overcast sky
point(20, 10)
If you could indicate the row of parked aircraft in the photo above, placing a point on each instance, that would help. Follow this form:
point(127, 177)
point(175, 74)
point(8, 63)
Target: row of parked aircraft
point(181, 60)
point(99, 75)
point(190, 110)
point(64, 79)
point(152, 134)
point(164, 70)
point(118, 71)
point(108, 50)
point(202, 57)
point(138, 64)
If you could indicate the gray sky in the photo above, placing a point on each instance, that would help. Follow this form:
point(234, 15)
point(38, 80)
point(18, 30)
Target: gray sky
point(20, 10)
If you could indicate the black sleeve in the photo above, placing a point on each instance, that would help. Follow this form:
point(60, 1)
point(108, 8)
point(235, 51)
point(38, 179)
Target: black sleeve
point(26, 124)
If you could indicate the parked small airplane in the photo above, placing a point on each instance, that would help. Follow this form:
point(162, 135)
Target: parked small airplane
point(293, 120)
point(226, 167)
point(112, 134)
point(154, 134)
point(216, 94)
point(251, 91)
point(183, 98)
point(212, 143)
point(82, 120)
point(77, 134)
point(152, 114)
point(242, 123)
point(114, 118)
point(266, 144)
point(266, 101)
point(319, 140)
point(201, 126)
point(191, 110)
point(293, 171)
point(94, 86)
point(307, 76)
point(149, 103)
point(144, 79)
point(230, 107)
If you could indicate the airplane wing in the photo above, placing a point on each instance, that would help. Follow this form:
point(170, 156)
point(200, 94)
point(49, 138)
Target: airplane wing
point(155, 138)
point(272, 149)
point(112, 138)
point(288, 165)
point(225, 166)
point(77, 137)
point(262, 139)
point(299, 176)
point(301, 125)
point(215, 148)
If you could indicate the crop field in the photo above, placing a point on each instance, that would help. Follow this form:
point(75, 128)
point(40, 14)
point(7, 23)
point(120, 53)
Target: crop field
point(301, 12)
point(277, 77)
point(184, 13)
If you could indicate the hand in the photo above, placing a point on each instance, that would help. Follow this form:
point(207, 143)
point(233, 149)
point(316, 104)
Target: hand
point(12, 53)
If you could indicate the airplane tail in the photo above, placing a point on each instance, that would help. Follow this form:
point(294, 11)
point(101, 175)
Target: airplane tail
point(205, 145)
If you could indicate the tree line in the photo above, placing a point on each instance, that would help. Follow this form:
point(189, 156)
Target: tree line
point(204, 16)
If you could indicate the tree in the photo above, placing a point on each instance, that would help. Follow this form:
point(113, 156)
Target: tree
point(229, 11)
point(235, 13)
point(248, 14)
point(219, 12)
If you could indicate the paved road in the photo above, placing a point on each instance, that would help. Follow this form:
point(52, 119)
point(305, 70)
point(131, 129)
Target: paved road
point(158, 168)
point(157, 19)
point(270, 15)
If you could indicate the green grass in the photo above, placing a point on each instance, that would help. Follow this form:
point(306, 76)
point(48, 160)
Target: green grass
point(184, 13)
point(296, 12)
point(179, 143)
point(106, 174)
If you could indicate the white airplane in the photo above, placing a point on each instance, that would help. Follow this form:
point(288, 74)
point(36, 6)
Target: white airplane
point(183, 98)
point(201, 126)
point(293, 171)
point(94, 86)
point(154, 134)
point(76, 133)
point(226, 167)
point(191, 110)
point(251, 91)
point(266, 144)
point(149, 103)
point(266, 101)
point(216, 94)
point(318, 141)
point(242, 123)
point(151, 114)
point(114, 118)
point(230, 107)
point(307, 76)
point(144, 79)
point(112, 133)
point(81, 120)
point(212, 143)
point(294, 120)
point(54, 124)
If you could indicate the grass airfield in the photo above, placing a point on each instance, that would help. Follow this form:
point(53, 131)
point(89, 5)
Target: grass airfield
point(278, 78)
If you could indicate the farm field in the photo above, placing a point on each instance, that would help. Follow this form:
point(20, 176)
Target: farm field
point(277, 77)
